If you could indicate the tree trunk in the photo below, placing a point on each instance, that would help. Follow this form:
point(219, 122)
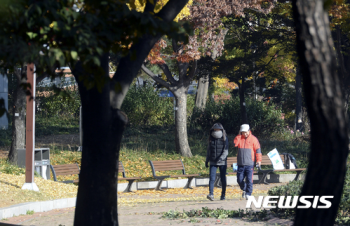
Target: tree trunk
point(203, 83)
point(103, 127)
point(242, 104)
point(299, 101)
point(18, 117)
point(324, 100)
point(181, 140)
point(202, 92)
point(98, 180)
point(341, 47)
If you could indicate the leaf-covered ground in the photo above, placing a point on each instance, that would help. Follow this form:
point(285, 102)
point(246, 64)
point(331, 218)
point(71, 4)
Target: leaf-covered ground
point(11, 192)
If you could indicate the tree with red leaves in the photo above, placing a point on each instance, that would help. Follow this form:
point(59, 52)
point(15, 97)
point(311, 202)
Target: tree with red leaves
point(207, 40)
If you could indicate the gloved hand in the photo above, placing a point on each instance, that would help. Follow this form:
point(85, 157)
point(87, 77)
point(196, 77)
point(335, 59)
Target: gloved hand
point(206, 164)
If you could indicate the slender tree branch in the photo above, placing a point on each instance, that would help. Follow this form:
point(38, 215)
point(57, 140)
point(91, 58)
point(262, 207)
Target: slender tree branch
point(167, 73)
point(155, 77)
point(176, 47)
point(192, 72)
point(171, 9)
point(183, 66)
point(149, 6)
point(128, 68)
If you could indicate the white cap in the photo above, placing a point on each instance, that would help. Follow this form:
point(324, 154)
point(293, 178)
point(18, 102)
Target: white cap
point(244, 128)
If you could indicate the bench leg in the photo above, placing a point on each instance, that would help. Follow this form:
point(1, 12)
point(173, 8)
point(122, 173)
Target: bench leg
point(297, 176)
point(263, 179)
point(159, 184)
point(128, 188)
point(188, 184)
point(217, 182)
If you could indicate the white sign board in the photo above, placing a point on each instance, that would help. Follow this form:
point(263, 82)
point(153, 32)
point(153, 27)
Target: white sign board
point(275, 159)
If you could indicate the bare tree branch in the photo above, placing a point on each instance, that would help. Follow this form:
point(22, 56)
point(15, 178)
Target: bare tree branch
point(155, 77)
point(149, 6)
point(192, 72)
point(127, 68)
point(167, 73)
point(171, 9)
point(183, 66)
point(176, 47)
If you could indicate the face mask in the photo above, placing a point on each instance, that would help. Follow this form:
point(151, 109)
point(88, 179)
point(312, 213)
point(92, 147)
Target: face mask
point(217, 134)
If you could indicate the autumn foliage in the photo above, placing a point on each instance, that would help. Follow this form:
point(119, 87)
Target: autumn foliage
point(209, 33)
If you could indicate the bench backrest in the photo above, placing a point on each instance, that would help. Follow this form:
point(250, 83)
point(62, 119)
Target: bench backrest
point(265, 161)
point(66, 169)
point(167, 165)
point(121, 169)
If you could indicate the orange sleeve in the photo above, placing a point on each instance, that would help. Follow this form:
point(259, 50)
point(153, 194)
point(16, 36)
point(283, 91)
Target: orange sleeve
point(237, 140)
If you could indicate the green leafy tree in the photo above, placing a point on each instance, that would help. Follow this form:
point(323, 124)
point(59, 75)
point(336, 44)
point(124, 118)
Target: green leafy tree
point(52, 34)
point(258, 45)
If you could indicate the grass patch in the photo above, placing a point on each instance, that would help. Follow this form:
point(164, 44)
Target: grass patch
point(30, 212)
point(56, 125)
point(218, 213)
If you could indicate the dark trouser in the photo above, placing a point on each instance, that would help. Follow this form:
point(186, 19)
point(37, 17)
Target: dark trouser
point(245, 172)
point(212, 173)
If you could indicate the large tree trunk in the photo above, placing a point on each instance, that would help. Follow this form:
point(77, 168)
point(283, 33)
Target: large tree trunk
point(329, 137)
point(103, 127)
point(181, 140)
point(202, 92)
point(18, 117)
point(244, 117)
point(299, 101)
point(342, 47)
point(98, 180)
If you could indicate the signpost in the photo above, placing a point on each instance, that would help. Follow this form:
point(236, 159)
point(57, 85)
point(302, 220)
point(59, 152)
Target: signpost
point(30, 132)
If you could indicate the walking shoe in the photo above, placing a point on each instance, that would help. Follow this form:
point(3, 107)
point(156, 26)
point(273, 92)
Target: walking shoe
point(222, 198)
point(243, 194)
point(247, 196)
point(210, 197)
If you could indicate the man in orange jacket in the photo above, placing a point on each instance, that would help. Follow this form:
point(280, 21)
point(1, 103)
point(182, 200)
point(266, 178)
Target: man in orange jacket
point(249, 151)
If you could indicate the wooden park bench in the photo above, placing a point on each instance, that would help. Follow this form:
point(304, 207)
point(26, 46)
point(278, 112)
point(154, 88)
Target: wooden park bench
point(170, 165)
point(66, 169)
point(129, 179)
point(73, 169)
point(265, 162)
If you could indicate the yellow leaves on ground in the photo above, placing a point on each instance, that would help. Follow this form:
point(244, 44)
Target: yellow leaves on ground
point(12, 193)
point(178, 194)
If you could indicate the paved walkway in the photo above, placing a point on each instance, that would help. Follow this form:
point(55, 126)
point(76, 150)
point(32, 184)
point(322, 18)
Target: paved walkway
point(149, 214)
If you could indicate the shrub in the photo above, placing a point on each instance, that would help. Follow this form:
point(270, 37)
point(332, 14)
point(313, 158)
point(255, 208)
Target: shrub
point(64, 104)
point(263, 119)
point(144, 107)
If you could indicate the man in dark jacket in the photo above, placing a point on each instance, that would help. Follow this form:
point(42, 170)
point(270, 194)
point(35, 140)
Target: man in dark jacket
point(217, 156)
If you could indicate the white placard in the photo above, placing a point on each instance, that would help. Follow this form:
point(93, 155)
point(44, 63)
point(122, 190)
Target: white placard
point(16, 114)
point(275, 159)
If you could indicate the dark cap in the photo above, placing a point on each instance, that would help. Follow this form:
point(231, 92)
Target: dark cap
point(216, 126)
